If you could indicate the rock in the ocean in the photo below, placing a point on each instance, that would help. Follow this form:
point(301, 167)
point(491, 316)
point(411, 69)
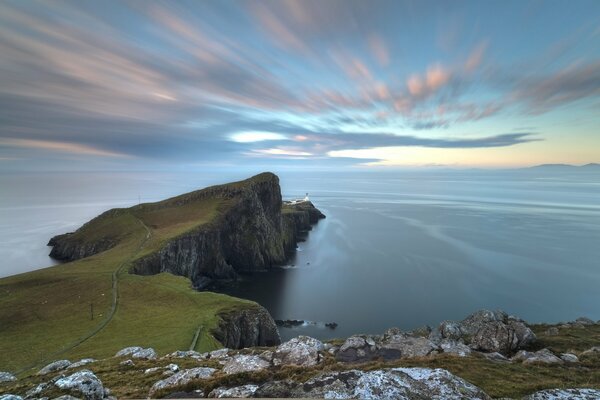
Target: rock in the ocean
point(7, 377)
point(82, 384)
point(237, 392)
point(357, 349)
point(565, 394)
point(181, 378)
point(54, 366)
point(245, 363)
point(81, 363)
point(301, 351)
point(137, 352)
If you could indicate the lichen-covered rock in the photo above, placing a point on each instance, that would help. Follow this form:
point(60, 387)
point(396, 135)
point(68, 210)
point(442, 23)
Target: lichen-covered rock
point(569, 357)
point(592, 351)
point(301, 351)
point(495, 357)
point(584, 321)
point(565, 394)
point(186, 354)
point(10, 397)
point(181, 378)
point(237, 392)
point(357, 349)
point(83, 384)
point(245, 363)
point(81, 363)
point(137, 352)
point(247, 327)
point(127, 363)
point(54, 366)
point(450, 330)
point(35, 391)
point(7, 377)
point(543, 356)
point(396, 383)
point(456, 347)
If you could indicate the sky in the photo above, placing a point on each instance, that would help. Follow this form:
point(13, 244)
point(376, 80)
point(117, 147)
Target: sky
point(129, 85)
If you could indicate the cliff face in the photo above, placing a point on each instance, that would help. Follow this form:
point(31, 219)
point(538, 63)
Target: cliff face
point(246, 328)
point(251, 230)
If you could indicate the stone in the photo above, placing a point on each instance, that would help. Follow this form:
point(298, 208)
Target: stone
point(81, 363)
point(181, 378)
point(83, 384)
point(455, 347)
point(34, 392)
point(186, 354)
point(54, 366)
point(137, 352)
point(401, 346)
point(569, 357)
point(127, 363)
point(245, 363)
point(300, 351)
point(396, 383)
point(172, 367)
point(552, 331)
point(584, 321)
point(194, 394)
point(450, 330)
point(218, 354)
point(565, 394)
point(7, 377)
point(543, 356)
point(276, 389)
point(66, 397)
point(496, 357)
point(10, 397)
point(423, 331)
point(356, 349)
point(237, 392)
point(592, 351)
point(152, 370)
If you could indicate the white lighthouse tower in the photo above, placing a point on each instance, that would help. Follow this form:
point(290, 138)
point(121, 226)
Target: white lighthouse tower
point(306, 197)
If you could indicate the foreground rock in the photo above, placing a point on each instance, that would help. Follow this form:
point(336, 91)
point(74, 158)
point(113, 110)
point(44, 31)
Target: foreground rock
point(301, 351)
point(488, 331)
point(7, 377)
point(82, 384)
point(181, 378)
point(396, 383)
point(54, 366)
point(245, 363)
point(234, 393)
point(543, 356)
point(565, 394)
point(137, 352)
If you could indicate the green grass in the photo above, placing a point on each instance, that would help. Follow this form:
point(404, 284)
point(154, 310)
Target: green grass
point(44, 314)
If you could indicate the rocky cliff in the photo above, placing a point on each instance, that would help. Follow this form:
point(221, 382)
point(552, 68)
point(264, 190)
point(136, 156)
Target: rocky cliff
point(240, 328)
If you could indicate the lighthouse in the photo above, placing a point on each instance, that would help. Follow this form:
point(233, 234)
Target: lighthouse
point(306, 197)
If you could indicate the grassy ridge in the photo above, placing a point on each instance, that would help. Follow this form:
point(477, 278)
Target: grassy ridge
point(45, 314)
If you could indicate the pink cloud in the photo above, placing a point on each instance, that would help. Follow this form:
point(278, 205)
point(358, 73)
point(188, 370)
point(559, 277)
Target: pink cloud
point(379, 50)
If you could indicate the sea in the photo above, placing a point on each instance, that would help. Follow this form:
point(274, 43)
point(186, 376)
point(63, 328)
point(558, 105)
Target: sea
point(399, 248)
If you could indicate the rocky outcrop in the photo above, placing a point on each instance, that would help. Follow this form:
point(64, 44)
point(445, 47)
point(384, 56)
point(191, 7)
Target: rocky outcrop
point(137, 352)
point(54, 366)
point(7, 377)
point(247, 327)
point(83, 384)
point(302, 351)
point(181, 378)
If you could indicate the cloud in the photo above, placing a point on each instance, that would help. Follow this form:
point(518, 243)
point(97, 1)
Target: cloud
point(379, 50)
point(59, 147)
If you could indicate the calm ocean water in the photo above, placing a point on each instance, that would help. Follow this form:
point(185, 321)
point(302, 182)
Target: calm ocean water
point(397, 248)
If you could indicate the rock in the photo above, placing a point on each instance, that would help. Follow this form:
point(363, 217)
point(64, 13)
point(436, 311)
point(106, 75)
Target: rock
point(565, 394)
point(569, 357)
point(152, 370)
point(423, 331)
point(66, 397)
point(137, 352)
point(81, 363)
point(194, 394)
point(552, 331)
point(543, 356)
point(218, 354)
point(301, 351)
point(127, 363)
point(357, 349)
point(450, 330)
point(82, 383)
point(245, 363)
point(400, 346)
point(186, 354)
point(455, 347)
point(234, 392)
point(252, 326)
point(584, 321)
point(7, 377)
point(172, 367)
point(34, 392)
point(10, 397)
point(276, 389)
point(396, 383)
point(496, 357)
point(592, 351)
point(54, 366)
point(181, 378)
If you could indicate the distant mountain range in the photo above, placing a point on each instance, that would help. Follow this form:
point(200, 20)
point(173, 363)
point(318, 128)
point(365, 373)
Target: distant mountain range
point(566, 167)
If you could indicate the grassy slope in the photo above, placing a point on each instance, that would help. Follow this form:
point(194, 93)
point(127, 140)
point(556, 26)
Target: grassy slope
point(46, 312)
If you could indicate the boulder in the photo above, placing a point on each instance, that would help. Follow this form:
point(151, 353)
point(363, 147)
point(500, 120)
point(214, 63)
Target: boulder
point(565, 394)
point(234, 392)
point(137, 352)
point(301, 351)
point(592, 351)
point(54, 366)
point(245, 363)
point(181, 378)
point(584, 321)
point(401, 346)
point(357, 349)
point(495, 357)
point(34, 392)
point(450, 330)
point(10, 397)
point(569, 357)
point(396, 383)
point(276, 389)
point(543, 356)
point(82, 384)
point(456, 347)
point(81, 363)
point(186, 354)
point(7, 377)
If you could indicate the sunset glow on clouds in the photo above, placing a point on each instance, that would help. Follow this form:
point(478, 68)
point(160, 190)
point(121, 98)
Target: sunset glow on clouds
point(381, 83)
